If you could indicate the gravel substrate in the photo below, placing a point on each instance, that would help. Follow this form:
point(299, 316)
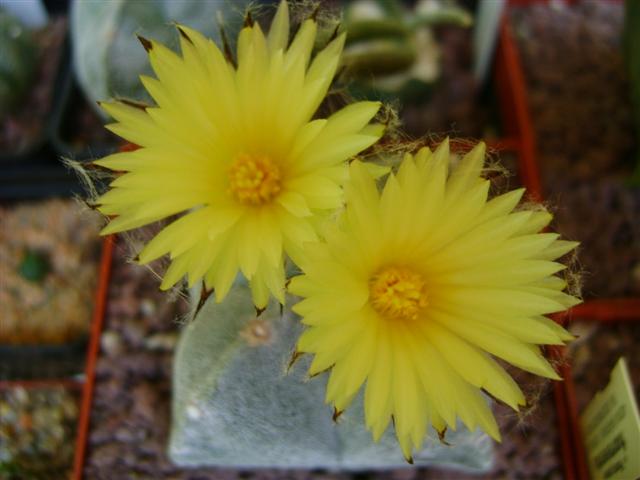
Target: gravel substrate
point(37, 429)
point(604, 216)
point(49, 254)
point(131, 409)
point(130, 415)
point(578, 90)
point(578, 93)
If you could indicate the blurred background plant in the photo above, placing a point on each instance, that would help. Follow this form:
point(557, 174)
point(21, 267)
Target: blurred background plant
point(412, 55)
point(107, 56)
point(391, 51)
point(17, 61)
point(30, 57)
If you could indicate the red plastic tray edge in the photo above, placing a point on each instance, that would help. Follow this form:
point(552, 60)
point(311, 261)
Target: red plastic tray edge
point(92, 356)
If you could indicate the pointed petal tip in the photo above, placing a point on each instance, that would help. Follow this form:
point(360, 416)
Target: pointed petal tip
point(260, 307)
point(248, 19)
point(146, 44)
point(192, 281)
point(481, 145)
point(108, 229)
point(143, 258)
point(183, 32)
point(551, 374)
point(443, 146)
point(339, 41)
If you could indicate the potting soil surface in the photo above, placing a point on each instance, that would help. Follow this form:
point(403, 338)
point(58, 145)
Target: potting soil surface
point(578, 94)
point(48, 265)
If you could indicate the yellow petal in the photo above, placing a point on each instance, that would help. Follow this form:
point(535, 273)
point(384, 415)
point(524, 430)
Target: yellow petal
point(295, 203)
point(476, 368)
point(173, 235)
point(496, 343)
point(300, 49)
point(279, 31)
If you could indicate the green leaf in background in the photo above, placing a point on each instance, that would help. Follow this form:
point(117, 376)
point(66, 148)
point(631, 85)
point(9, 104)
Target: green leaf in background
point(17, 61)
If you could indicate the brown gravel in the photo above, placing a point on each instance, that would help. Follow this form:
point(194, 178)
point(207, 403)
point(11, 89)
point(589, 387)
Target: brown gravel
point(578, 90)
point(131, 408)
point(579, 100)
point(605, 217)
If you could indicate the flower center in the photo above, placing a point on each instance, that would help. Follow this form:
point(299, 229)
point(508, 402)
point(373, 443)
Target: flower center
point(398, 293)
point(254, 179)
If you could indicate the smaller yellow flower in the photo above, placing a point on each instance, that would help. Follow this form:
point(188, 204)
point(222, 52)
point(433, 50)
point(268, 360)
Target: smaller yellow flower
point(415, 289)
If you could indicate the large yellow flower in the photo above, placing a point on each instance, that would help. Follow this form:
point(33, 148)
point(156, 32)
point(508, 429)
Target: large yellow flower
point(237, 150)
point(415, 289)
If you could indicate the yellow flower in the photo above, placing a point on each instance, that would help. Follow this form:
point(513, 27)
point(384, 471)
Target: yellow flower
point(416, 289)
point(236, 152)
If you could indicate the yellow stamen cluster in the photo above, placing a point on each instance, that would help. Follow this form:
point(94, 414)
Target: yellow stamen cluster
point(254, 179)
point(398, 293)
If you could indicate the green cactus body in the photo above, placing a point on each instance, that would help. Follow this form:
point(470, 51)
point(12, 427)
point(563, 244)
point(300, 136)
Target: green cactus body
point(235, 405)
point(380, 57)
point(108, 58)
point(391, 52)
point(17, 61)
